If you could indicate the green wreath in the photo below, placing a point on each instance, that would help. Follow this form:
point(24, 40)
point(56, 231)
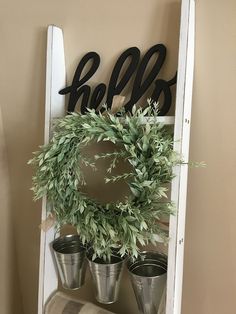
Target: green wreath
point(146, 145)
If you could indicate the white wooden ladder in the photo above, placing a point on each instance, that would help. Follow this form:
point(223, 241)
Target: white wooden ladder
point(55, 107)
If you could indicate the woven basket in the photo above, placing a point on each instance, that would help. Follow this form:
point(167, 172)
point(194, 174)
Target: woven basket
point(61, 303)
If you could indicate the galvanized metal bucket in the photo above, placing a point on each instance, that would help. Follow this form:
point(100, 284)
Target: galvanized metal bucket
point(106, 277)
point(148, 276)
point(70, 259)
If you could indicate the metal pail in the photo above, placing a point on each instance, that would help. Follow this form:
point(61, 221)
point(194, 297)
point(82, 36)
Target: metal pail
point(70, 258)
point(148, 275)
point(106, 277)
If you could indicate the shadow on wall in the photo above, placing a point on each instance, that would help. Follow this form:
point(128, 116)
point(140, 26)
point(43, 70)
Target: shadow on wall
point(26, 214)
point(10, 299)
point(23, 133)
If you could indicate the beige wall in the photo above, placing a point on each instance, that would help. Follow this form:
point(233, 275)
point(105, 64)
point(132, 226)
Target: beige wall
point(109, 27)
point(9, 279)
point(210, 255)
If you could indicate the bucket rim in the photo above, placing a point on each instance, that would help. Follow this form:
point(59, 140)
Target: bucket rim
point(140, 276)
point(56, 241)
point(129, 264)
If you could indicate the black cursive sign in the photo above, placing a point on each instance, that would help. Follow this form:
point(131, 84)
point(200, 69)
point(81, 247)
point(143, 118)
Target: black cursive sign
point(120, 78)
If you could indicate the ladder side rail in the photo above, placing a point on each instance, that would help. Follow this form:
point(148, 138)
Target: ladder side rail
point(54, 107)
point(184, 168)
point(178, 133)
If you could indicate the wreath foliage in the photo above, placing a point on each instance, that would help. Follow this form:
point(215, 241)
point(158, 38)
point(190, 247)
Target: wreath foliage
point(146, 144)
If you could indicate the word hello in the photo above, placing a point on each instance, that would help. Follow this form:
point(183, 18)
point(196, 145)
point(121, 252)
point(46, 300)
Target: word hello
point(145, 77)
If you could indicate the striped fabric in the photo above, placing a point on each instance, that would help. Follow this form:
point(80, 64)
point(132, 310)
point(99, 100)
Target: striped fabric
point(72, 307)
point(61, 303)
